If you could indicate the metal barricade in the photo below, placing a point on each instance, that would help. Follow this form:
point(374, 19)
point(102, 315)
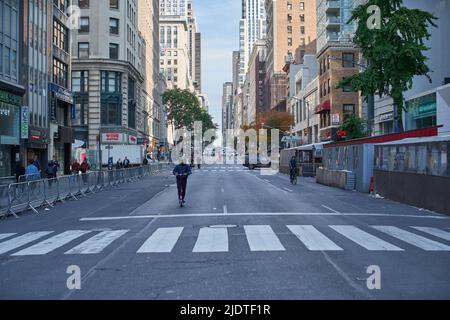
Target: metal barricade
point(4, 200)
point(64, 188)
point(18, 194)
point(84, 183)
point(74, 185)
point(51, 190)
point(36, 195)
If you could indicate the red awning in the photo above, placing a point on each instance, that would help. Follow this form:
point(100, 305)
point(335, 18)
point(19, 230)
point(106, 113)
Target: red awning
point(324, 106)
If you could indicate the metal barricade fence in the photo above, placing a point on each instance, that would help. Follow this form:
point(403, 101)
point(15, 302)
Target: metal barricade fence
point(4, 200)
point(84, 183)
point(18, 194)
point(92, 181)
point(64, 187)
point(51, 190)
point(74, 185)
point(36, 194)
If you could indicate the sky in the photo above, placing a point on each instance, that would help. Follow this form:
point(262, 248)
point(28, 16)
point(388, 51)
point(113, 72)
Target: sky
point(218, 22)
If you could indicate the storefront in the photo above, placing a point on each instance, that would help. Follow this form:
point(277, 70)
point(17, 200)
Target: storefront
point(421, 112)
point(37, 145)
point(9, 132)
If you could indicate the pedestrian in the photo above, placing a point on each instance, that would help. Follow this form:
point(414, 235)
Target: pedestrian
point(85, 167)
point(75, 167)
point(36, 163)
point(54, 166)
point(31, 172)
point(182, 171)
point(145, 162)
point(19, 170)
point(126, 163)
point(119, 164)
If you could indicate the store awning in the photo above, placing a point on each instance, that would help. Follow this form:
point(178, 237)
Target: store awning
point(324, 106)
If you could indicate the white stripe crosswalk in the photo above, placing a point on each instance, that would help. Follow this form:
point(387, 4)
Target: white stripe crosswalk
point(97, 243)
point(214, 239)
point(162, 240)
point(365, 239)
point(413, 239)
point(52, 243)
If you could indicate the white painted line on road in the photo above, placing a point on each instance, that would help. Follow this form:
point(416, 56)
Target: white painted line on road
point(192, 215)
point(52, 243)
point(97, 243)
point(435, 232)
point(6, 235)
point(330, 209)
point(225, 210)
point(222, 190)
point(162, 240)
point(313, 239)
point(364, 239)
point(413, 239)
point(266, 180)
point(287, 189)
point(21, 240)
point(262, 238)
point(212, 240)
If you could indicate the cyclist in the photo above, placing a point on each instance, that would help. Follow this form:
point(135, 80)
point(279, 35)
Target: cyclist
point(182, 171)
point(293, 168)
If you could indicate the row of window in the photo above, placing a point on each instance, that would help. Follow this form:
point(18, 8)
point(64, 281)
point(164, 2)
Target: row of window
point(290, 17)
point(83, 50)
point(113, 25)
point(290, 6)
point(302, 29)
point(348, 61)
point(84, 4)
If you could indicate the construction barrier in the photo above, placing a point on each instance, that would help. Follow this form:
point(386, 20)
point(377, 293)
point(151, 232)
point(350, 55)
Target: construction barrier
point(33, 192)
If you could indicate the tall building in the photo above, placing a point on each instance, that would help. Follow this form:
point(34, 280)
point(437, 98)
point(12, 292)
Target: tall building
point(235, 68)
point(290, 25)
point(198, 61)
point(108, 77)
point(252, 27)
point(256, 75)
point(59, 90)
point(227, 109)
point(148, 22)
point(36, 22)
point(11, 88)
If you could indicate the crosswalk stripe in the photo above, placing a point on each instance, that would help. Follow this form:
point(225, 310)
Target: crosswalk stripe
point(97, 243)
point(162, 240)
point(52, 243)
point(313, 239)
point(365, 239)
point(435, 232)
point(6, 235)
point(21, 240)
point(262, 238)
point(413, 239)
point(212, 240)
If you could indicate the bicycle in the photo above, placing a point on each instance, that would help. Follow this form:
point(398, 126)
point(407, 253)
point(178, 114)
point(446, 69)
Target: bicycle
point(293, 177)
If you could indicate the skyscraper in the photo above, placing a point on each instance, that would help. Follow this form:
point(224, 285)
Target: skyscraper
point(252, 27)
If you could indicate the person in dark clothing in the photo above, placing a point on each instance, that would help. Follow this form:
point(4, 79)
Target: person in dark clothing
point(182, 171)
point(119, 164)
point(84, 168)
point(75, 167)
point(126, 163)
point(293, 167)
point(52, 168)
point(19, 171)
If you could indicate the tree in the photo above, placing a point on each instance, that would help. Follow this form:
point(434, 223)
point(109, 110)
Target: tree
point(352, 128)
point(183, 109)
point(393, 50)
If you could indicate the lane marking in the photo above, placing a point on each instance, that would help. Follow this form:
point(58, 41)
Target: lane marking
point(330, 209)
point(212, 240)
point(364, 239)
point(435, 232)
point(287, 189)
point(191, 215)
point(225, 211)
point(223, 190)
point(162, 240)
point(52, 243)
point(413, 239)
point(6, 235)
point(262, 238)
point(21, 240)
point(313, 239)
point(97, 243)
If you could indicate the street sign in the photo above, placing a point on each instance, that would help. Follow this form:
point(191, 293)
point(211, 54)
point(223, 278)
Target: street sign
point(109, 147)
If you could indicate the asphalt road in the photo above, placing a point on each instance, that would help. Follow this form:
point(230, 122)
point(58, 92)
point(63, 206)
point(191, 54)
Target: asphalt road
point(242, 235)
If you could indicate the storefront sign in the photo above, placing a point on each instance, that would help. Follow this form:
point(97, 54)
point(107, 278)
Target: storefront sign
point(61, 93)
point(24, 122)
point(113, 137)
point(427, 108)
point(141, 141)
point(335, 119)
point(9, 124)
point(386, 117)
point(132, 139)
point(10, 98)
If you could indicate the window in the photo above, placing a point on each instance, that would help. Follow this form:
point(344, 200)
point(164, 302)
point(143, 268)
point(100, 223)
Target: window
point(289, 5)
point(111, 82)
point(60, 36)
point(60, 71)
point(302, 6)
point(83, 50)
point(84, 24)
point(131, 104)
point(302, 17)
point(347, 88)
point(349, 110)
point(302, 30)
point(113, 51)
point(80, 80)
point(289, 29)
point(113, 26)
point(289, 18)
point(302, 42)
point(83, 4)
point(114, 4)
point(348, 60)
point(60, 4)
point(329, 85)
point(289, 42)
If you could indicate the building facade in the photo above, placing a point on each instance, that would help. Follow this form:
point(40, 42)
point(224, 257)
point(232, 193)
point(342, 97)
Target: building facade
point(256, 74)
point(108, 78)
point(11, 89)
point(227, 109)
